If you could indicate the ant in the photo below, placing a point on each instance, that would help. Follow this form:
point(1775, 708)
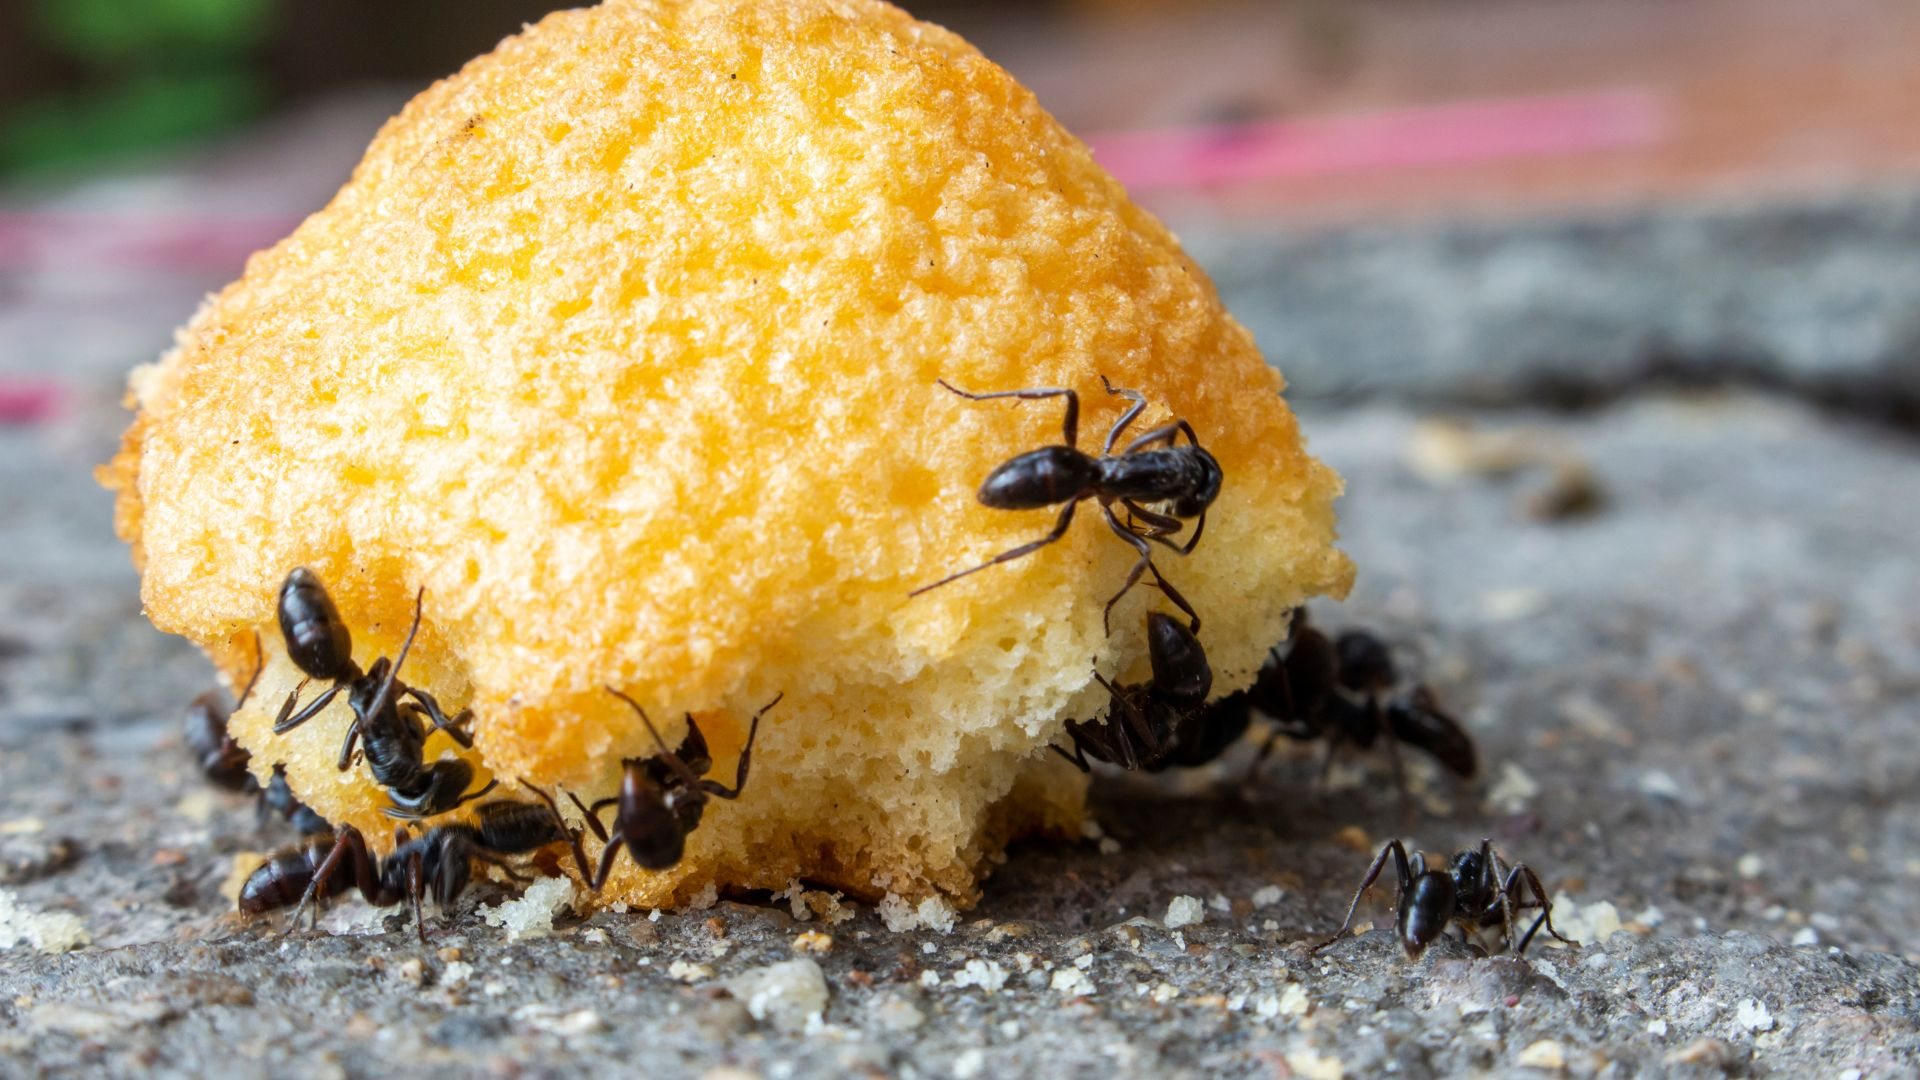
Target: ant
point(440, 861)
point(662, 797)
point(225, 763)
point(319, 644)
point(1184, 478)
point(1145, 723)
point(1315, 687)
point(1475, 890)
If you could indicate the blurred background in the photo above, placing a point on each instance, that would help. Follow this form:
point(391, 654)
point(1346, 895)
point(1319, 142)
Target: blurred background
point(1481, 200)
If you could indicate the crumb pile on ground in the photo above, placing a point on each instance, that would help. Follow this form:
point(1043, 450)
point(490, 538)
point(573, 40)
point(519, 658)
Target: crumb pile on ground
point(622, 344)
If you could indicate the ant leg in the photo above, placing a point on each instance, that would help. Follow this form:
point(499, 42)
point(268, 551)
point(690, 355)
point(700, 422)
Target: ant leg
point(1373, 874)
point(349, 845)
point(393, 673)
point(1135, 541)
point(1069, 427)
point(417, 890)
point(1260, 757)
point(1059, 530)
point(1199, 528)
point(1126, 418)
point(593, 815)
point(671, 759)
point(712, 787)
point(614, 843)
point(1164, 433)
point(259, 665)
point(1166, 589)
point(1399, 769)
point(1078, 758)
point(347, 745)
point(288, 719)
point(572, 835)
point(502, 865)
point(1158, 525)
point(469, 797)
point(1334, 739)
point(1522, 873)
point(456, 728)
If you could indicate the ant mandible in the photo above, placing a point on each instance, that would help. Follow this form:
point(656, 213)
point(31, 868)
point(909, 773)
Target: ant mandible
point(662, 797)
point(1186, 479)
point(1144, 722)
point(1474, 891)
point(319, 644)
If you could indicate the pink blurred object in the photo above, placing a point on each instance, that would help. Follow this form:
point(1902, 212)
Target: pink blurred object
point(1384, 140)
point(68, 241)
point(28, 401)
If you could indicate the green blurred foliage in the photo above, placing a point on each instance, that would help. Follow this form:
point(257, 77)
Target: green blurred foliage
point(156, 72)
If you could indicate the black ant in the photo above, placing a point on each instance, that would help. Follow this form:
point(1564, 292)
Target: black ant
point(1146, 723)
point(319, 644)
point(225, 763)
point(1475, 890)
point(1314, 687)
point(441, 861)
point(1186, 479)
point(662, 797)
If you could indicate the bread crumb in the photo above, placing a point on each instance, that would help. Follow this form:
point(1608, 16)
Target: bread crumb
point(1587, 924)
point(533, 913)
point(896, 1013)
point(813, 941)
point(791, 995)
point(455, 974)
point(1312, 1066)
point(1511, 793)
point(1072, 982)
point(1294, 1001)
point(1268, 895)
point(1544, 1054)
point(1184, 911)
point(985, 974)
point(1754, 1015)
point(689, 973)
point(46, 931)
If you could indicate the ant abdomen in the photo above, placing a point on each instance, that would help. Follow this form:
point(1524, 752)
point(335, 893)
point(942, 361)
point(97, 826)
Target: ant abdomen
point(316, 637)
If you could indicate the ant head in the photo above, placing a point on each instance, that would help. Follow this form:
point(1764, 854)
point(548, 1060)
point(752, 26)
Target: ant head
point(1180, 669)
point(1195, 502)
point(1366, 665)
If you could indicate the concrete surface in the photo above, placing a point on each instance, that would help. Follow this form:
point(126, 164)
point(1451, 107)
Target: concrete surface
point(1695, 704)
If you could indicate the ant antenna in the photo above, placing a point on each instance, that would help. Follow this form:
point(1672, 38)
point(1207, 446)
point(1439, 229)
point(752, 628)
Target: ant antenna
point(393, 673)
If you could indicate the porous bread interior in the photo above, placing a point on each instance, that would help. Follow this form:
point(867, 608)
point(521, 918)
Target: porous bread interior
point(622, 344)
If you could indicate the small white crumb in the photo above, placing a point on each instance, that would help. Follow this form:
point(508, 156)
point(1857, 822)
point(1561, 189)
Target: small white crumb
point(654, 915)
point(1180, 940)
point(1220, 903)
point(929, 948)
point(1504, 605)
point(494, 988)
point(1311, 1066)
point(1109, 846)
point(619, 906)
point(1650, 916)
point(896, 1013)
point(24, 826)
point(46, 931)
point(1072, 982)
point(1656, 1027)
point(899, 915)
point(1294, 1000)
point(1587, 924)
point(594, 936)
point(985, 974)
point(689, 973)
point(1009, 1029)
point(455, 975)
point(936, 914)
point(929, 978)
point(969, 1064)
point(790, 994)
point(1511, 793)
point(196, 806)
point(812, 941)
point(1806, 935)
point(1659, 785)
point(533, 913)
point(1084, 962)
point(412, 971)
point(1237, 1001)
point(1754, 1015)
point(1023, 961)
point(1824, 922)
point(1751, 865)
point(1268, 895)
point(558, 1021)
point(1267, 1007)
point(1544, 1054)
point(1165, 992)
point(1184, 911)
point(705, 898)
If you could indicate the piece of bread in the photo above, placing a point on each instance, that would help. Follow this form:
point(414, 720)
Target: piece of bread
point(622, 343)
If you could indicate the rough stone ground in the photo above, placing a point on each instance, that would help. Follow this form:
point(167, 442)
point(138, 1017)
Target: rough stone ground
point(1697, 704)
